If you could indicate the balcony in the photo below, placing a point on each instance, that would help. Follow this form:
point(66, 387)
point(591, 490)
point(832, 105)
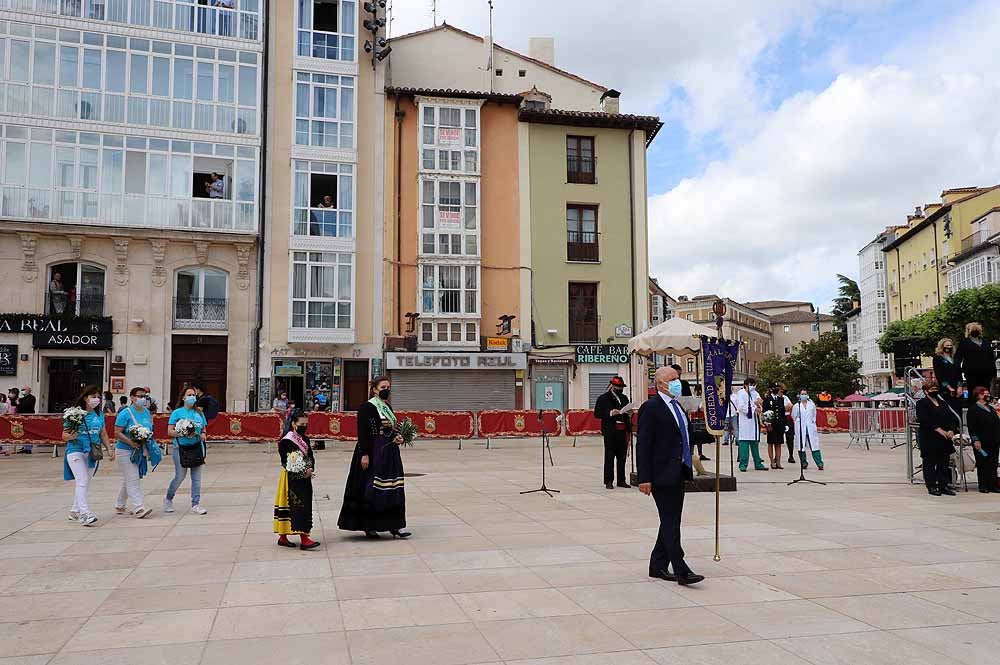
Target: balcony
point(71, 305)
point(581, 171)
point(582, 246)
point(136, 210)
point(200, 314)
point(581, 332)
point(975, 239)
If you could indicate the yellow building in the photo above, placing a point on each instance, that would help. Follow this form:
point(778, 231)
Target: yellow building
point(918, 259)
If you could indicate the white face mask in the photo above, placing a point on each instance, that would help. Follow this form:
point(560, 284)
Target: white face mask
point(93, 402)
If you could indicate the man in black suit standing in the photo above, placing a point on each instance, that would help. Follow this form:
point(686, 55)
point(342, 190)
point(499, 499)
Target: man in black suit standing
point(615, 426)
point(663, 459)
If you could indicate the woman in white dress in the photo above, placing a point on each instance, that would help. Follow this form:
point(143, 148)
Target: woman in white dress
point(806, 432)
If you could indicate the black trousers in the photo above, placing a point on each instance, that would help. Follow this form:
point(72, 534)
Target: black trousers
point(986, 469)
point(937, 472)
point(790, 440)
point(615, 450)
point(667, 550)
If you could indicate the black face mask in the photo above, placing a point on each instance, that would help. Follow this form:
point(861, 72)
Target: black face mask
point(947, 349)
point(933, 392)
point(301, 429)
point(975, 334)
point(383, 394)
point(617, 390)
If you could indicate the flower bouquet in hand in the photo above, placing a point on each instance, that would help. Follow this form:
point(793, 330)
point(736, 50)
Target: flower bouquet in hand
point(140, 435)
point(297, 464)
point(73, 418)
point(408, 430)
point(767, 419)
point(185, 427)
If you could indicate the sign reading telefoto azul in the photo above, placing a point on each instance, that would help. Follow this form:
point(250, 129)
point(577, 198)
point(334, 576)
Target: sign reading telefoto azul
point(455, 361)
point(58, 333)
point(612, 354)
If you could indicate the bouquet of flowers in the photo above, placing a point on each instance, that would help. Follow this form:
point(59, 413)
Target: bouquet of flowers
point(184, 427)
point(408, 431)
point(767, 418)
point(139, 434)
point(73, 418)
point(296, 463)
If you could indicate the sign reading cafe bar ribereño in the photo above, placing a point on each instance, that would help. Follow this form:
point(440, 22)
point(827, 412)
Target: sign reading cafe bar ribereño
point(60, 333)
point(611, 354)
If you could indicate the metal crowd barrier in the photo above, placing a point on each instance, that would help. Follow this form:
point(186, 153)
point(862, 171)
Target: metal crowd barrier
point(881, 424)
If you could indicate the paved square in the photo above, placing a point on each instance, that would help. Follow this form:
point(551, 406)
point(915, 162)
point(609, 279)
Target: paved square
point(865, 570)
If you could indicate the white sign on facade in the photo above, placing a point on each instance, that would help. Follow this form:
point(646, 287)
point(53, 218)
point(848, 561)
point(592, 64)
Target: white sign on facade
point(448, 219)
point(449, 136)
point(624, 330)
point(456, 361)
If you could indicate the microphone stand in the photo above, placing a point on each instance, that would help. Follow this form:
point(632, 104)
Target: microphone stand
point(545, 445)
point(802, 467)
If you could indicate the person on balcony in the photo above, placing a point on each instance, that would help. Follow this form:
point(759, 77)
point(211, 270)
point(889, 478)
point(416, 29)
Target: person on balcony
point(327, 202)
point(57, 295)
point(216, 187)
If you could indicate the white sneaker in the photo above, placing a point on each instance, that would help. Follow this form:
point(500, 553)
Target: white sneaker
point(168, 506)
point(198, 510)
point(122, 510)
point(88, 520)
point(140, 513)
point(74, 516)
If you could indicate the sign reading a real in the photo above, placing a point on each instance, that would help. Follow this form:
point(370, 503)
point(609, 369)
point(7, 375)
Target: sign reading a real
point(610, 354)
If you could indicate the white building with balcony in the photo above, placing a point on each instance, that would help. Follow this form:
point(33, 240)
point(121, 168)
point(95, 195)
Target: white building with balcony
point(876, 367)
point(129, 193)
point(978, 262)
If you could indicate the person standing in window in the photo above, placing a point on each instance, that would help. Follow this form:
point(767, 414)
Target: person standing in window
point(187, 409)
point(57, 295)
point(216, 187)
point(975, 357)
point(327, 202)
point(938, 426)
point(79, 464)
point(293, 501)
point(984, 428)
point(132, 454)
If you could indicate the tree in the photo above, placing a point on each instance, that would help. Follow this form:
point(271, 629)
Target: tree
point(822, 364)
point(947, 320)
point(847, 295)
point(772, 370)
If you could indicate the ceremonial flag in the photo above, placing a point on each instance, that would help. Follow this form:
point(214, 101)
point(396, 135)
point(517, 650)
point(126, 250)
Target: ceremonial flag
point(719, 358)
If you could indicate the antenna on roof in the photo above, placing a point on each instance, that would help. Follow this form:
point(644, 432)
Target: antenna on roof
point(492, 73)
point(434, 12)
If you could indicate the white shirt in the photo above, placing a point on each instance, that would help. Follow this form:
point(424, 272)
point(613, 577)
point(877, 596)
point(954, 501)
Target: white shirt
point(667, 399)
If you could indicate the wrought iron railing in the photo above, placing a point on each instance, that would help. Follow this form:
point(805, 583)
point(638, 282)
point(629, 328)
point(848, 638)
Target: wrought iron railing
point(67, 303)
point(200, 313)
point(582, 246)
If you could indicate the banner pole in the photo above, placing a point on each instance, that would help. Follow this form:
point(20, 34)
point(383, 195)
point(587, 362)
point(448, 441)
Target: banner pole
point(719, 309)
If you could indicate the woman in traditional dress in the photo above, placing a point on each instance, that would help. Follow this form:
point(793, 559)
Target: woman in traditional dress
point(374, 499)
point(294, 498)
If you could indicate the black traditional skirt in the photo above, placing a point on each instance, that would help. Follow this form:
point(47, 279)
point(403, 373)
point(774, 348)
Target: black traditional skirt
point(374, 498)
point(293, 505)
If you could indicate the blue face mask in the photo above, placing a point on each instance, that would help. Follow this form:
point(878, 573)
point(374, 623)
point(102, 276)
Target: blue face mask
point(803, 398)
point(190, 400)
point(675, 387)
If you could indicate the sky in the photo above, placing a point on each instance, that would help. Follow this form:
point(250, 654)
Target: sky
point(795, 130)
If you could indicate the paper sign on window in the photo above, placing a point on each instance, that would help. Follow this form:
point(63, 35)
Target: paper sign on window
point(449, 136)
point(448, 219)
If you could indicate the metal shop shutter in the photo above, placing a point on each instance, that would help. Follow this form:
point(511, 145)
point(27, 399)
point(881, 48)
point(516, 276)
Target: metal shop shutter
point(599, 385)
point(451, 390)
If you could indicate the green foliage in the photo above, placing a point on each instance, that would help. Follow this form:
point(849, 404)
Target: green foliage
point(772, 370)
point(948, 320)
point(817, 365)
point(847, 295)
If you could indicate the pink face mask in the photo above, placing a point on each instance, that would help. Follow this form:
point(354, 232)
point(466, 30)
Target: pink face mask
point(93, 402)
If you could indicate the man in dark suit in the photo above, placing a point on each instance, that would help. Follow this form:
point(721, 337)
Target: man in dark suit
point(663, 459)
point(615, 427)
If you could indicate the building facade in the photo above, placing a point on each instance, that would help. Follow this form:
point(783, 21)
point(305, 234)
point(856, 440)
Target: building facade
point(321, 337)
point(131, 168)
point(742, 323)
point(790, 329)
point(978, 262)
point(873, 317)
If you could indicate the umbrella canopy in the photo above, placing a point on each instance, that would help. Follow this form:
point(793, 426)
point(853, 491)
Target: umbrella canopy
point(673, 336)
point(857, 398)
point(887, 397)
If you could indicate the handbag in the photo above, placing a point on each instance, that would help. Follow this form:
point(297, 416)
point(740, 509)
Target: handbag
point(191, 456)
point(96, 452)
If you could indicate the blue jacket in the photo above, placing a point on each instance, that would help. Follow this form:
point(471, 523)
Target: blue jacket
point(659, 453)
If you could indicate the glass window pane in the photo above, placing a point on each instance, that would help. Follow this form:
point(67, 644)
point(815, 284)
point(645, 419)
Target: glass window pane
point(65, 167)
point(20, 58)
point(180, 175)
point(15, 162)
point(88, 168)
point(69, 65)
point(39, 174)
point(161, 77)
point(138, 74)
point(347, 104)
point(206, 81)
point(157, 174)
point(346, 193)
point(299, 281)
point(248, 86)
point(183, 75)
point(111, 171)
point(92, 70)
point(135, 172)
point(344, 282)
point(227, 83)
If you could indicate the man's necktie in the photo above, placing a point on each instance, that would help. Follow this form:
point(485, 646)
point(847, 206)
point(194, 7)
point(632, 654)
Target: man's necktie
point(682, 426)
point(749, 405)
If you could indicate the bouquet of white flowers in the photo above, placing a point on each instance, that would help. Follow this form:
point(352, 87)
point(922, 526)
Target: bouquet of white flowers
point(768, 416)
point(73, 418)
point(184, 427)
point(297, 463)
point(139, 434)
point(408, 430)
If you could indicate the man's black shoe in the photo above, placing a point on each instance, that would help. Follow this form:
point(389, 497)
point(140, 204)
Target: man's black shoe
point(610, 486)
point(948, 491)
point(624, 485)
point(690, 578)
point(934, 492)
point(664, 575)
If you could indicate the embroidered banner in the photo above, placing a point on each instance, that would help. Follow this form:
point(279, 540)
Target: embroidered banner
point(833, 420)
point(719, 361)
point(336, 425)
point(441, 424)
point(517, 423)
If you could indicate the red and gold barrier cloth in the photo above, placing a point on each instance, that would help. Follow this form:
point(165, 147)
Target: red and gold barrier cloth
point(833, 420)
point(441, 424)
point(47, 429)
point(581, 422)
point(336, 425)
point(30, 429)
point(516, 423)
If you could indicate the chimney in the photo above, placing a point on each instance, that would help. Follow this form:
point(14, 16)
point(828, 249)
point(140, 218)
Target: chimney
point(609, 101)
point(542, 48)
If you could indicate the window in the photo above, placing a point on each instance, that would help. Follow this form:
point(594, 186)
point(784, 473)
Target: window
point(671, 360)
point(200, 299)
point(324, 200)
point(462, 332)
point(580, 160)
point(880, 293)
point(450, 139)
point(788, 350)
point(786, 329)
point(326, 29)
point(690, 365)
point(657, 309)
point(879, 265)
point(581, 233)
point(133, 81)
point(449, 289)
point(449, 217)
point(690, 317)
point(322, 290)
point(75, 289)
point(815, 327)
point(499, 72)
point(522, 73)
point(324, 110)
point(582, 312)
point(118, 180)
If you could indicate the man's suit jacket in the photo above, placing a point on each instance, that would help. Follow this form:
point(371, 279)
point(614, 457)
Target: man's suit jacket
point(660, 447)
point(606, 403)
